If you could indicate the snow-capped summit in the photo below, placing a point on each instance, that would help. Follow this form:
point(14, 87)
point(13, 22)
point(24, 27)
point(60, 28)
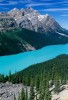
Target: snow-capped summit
point(46, 15)
point(40, 17)
point(33, 19)
point(14, 12)
point(15, 9)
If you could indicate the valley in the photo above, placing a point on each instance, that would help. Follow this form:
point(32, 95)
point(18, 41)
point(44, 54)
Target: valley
point(33, 56)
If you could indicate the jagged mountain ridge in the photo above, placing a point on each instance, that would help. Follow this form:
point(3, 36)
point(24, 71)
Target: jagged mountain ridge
point(29, 19)
point(33, 19)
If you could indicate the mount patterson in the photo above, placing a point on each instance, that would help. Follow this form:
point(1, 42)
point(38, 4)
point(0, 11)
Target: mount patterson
point(26, 29)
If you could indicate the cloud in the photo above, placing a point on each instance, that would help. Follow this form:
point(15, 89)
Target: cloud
point(45, 3)
point(37, 4)
point(55, 9)
point(13, 2)
point(8, 3)
point(31, 3)
point(64, 15)
point(25, 1)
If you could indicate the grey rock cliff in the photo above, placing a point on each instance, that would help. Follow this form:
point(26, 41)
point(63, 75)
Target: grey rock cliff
point(31, 19)
point(6, 21)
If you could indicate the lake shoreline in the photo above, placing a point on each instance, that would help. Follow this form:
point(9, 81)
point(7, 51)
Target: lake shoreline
point(23, 60)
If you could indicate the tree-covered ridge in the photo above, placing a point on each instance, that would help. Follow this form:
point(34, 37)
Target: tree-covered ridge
point(57, 67)
point(19, 40)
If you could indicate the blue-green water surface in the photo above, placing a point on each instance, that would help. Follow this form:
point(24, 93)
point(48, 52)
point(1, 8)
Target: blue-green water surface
point(20, 61)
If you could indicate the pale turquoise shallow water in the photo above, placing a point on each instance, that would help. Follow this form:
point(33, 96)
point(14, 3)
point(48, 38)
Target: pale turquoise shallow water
point(20, 61)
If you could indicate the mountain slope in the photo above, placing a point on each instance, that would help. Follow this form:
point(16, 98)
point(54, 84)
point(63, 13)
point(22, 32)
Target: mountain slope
point(11, 43)
point(51, 69)
point(26, 29)
point(20, 40)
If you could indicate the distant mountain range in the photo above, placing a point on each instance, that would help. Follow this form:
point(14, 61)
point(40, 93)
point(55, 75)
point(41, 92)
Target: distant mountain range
point(26, 29)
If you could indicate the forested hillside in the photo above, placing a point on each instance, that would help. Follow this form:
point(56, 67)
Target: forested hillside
point(52, 69)
point(20, 40)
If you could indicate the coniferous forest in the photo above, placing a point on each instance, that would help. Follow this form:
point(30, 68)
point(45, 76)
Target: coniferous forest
point(41, 77)
point(16, 37)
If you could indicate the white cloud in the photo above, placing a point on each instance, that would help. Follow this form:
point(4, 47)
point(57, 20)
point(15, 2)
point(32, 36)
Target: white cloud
point(64, 15)
point(14, 2)
point(55, 9)
point(37, 4)
point(25, 1)
point(45, 3)
point(8, 3)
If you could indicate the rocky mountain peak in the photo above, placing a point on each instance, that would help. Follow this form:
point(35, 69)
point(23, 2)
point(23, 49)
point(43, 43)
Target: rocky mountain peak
point(33, 19)
point(46, 15)
point(14, 9)
point(29, 9)
point(14, 12)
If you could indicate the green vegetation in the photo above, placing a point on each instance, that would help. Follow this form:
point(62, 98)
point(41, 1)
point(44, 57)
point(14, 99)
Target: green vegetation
point(16, 40)
point(50, 70)
point(32, 95)
point(22, 97)
point(38, 77)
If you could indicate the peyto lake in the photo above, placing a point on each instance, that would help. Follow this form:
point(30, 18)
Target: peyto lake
point(20, 61)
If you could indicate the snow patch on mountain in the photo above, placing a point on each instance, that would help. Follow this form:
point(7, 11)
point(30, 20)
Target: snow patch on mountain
point(62, 34)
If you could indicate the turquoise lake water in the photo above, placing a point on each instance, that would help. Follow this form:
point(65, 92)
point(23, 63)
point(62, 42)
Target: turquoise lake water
point(20, 61)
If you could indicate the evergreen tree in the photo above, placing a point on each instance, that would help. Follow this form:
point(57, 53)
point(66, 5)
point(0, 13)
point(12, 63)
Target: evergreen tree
point(32, 95)
point(37, 82)
point(26, 97)
point(9, 76)
point(41, 91)
point(57, 84)
point(2, 79)
point(22, 95)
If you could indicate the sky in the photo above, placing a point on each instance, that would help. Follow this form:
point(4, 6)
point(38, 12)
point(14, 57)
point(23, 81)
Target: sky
point(55, 8)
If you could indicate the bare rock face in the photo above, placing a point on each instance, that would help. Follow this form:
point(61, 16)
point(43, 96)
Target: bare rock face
point(14, 12)
point(49, 23)
point(8, 90)
point(31, 19)
point(6, 21)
